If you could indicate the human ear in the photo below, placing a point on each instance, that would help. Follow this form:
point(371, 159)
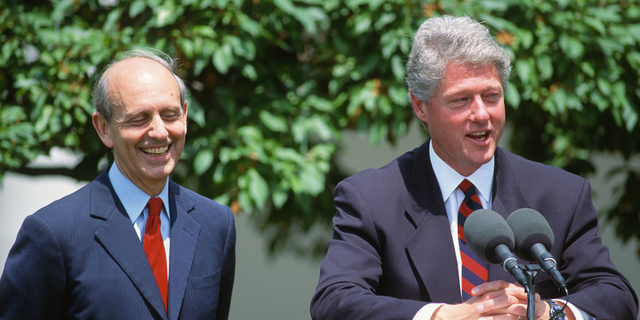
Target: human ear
point(419, 108)
point(102, 128)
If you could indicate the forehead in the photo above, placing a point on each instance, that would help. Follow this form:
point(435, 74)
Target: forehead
point(140, 82)
point(461, 76)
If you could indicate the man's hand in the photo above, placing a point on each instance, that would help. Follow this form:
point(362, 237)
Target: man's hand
point(496, 300)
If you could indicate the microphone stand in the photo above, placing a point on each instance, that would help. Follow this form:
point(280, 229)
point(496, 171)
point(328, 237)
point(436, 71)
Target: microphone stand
point(531, 272)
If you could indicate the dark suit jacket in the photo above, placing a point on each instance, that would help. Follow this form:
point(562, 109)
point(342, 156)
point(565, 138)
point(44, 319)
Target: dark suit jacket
point(392, 249)
point(80, 258)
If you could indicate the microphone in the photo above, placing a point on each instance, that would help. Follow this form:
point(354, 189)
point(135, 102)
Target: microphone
point(491, 239)
point(534, 239)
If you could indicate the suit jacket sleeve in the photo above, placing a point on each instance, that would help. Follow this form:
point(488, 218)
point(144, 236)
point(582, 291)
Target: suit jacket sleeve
point(564, 199)
point(595, 285)
point(33, 282)
point(351, 272)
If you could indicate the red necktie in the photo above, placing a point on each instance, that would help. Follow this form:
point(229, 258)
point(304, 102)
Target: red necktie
point(474, 270)
point(154, 248)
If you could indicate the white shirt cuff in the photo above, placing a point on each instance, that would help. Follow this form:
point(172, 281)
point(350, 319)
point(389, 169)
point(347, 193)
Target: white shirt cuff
point(576, 312)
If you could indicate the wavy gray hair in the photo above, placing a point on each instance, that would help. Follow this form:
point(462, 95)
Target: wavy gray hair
point(100, 95)
point(441, 40)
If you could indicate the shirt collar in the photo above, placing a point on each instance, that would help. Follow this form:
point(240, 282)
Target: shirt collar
point(449, 179)
point(133, 198)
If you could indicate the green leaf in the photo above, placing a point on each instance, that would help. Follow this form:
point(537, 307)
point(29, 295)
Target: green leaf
point(397, 66)
point(512, 96)
point(634, 59)
point(136, 8)
point(587, 68)
point(251, 134)
point(258, 189)
point(319, 104)
point(630, 116)
point(320, 127)
point(112, 18)
point(244, 200)
point(524, 71)
point(273, 122)
point(398, 95)
point(572, 47)
point(223, 58)
point(12, 115)
point(362, 23)
point(384, 20)
point(43, 120)
point(290, 155)
point(250, 72)
point(597, 99)
point(280, 194)
point(377, 133)
point(389, 42)
point(545, 66)
point(604, 86)
point(196, 111)
point(609, 46)
point(248, 25)
point(596, 24)
point(60, 9)
point(203, 161)
point(313, 179)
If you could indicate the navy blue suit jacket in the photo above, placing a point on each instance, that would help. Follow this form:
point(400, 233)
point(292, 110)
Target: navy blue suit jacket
point(392, 250)
point(80, 258)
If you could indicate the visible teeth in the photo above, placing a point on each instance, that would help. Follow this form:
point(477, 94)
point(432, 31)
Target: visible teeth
point(155, 151)
point(480, 136)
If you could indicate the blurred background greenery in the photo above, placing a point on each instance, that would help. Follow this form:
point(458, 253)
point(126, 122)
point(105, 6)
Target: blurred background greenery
point(274, 85)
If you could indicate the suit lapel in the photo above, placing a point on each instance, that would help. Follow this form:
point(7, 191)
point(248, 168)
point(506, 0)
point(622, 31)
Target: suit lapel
point(184, 239)
point(119, 239)
point(507, 198)
point(431, 246)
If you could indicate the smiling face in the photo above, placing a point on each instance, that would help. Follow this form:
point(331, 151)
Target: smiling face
point(465, 117)
point(148, 126)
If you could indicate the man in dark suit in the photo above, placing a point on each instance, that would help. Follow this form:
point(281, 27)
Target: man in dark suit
point(397, 250)
point(102, 252)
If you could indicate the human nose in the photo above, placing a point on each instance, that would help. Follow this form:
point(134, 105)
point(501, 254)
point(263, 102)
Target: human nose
point(157, 129)
point(479, 112)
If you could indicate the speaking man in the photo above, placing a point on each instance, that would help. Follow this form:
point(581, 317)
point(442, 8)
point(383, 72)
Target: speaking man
point(398, 250)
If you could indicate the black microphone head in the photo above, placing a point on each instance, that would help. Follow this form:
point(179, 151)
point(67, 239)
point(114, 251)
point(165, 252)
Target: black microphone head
point(484, 230)
point(529, 227)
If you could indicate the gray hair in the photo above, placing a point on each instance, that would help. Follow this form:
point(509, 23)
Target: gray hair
point(100, 95)
point(446, 39)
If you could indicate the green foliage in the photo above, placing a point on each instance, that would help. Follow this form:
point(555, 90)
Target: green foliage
point(274, 83)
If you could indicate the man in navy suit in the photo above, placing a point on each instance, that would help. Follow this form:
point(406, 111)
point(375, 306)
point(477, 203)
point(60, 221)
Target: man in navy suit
point(85, 256)
point(395, 252)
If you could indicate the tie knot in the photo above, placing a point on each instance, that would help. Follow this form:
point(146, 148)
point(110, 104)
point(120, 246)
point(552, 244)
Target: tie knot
point(155, 204)
point(466, 185)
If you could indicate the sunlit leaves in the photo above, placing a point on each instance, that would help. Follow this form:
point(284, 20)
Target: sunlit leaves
point(274, 83)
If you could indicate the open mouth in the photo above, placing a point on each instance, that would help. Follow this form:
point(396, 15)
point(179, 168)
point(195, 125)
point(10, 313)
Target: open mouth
point(480, 136)
point(156, 152)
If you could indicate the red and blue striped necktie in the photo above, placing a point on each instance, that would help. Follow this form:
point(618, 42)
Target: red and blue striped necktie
point(474, 270)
